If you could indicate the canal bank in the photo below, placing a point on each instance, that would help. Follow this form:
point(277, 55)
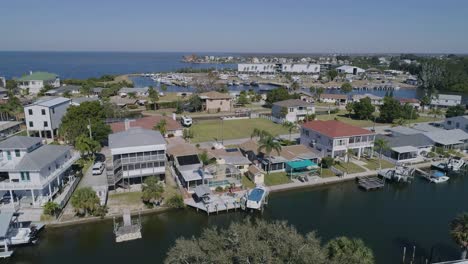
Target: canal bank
point(387, 220)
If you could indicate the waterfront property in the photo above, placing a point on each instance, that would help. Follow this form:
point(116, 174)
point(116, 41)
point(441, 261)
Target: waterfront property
point(278, 68)
point(35, 81)
point(292, 110)
point(216, 102)
point(232, 156)
point(407, 148)
point(184, 159)
point(456, 122)
point(141, 92)
point(375, 100)
point(334, 138)
point(135, 154)
point(173, 128)
point(341, 99)
point(34, 173)
point(43, 117)
point(8, 128)
point(445, 100)
point(350, 70)
point(415, 103)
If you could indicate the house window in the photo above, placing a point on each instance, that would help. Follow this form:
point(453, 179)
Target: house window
point(351, 140)
point(43, 111)
point(457, 125)
point(449, 122)
point(30, 111)
point(8, 153)
point(25, 176)
point(31, 124)
point(46, 124)
point(307, 132)
point(17, 152)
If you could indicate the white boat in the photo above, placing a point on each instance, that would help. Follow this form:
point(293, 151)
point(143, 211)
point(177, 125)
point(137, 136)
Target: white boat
point(256, 197)
point(438, 177)
point(455, 163)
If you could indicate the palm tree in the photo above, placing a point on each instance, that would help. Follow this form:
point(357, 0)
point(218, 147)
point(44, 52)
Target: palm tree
point(381, 144)
point(260, 133)
point(161, 126)
point(290, 126)
point(268, 143)
point(459, 232)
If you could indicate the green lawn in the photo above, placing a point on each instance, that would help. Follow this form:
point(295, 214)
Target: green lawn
point(373, 164)
point(246, 182)
point(208, 130)
point(349, 167)
point(327, 173)
point(276, 178)
point(126, 198)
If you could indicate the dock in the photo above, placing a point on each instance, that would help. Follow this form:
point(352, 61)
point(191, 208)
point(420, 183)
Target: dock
point(370, 183)
point(129, 229)
point(218, 202)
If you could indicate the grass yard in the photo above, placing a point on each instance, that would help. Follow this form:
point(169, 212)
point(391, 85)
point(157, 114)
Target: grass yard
point(246, 182)
point(343, 117)
point(208, 130)
point(276, 178)
point(349, 167)
point(125, 198)
point(373, 164)
point(327, 173)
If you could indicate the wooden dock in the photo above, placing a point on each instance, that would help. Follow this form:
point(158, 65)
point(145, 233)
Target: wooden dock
point(218, 203)
point(370, 183)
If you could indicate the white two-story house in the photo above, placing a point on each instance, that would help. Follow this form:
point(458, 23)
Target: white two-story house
point(135, 153)
point(32, 172)
point(333, 138)
point(43, 117)
point(291, 110)
point(35, 81)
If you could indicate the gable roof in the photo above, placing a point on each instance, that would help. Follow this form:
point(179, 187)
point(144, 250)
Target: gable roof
point(249, 145)
point(297, 152)
point(50, 101)
point(38, 76)
point(135, 137)
point(292, 103)
point(19, 142)
point(147, 122)
point(415, 140)
point(335, 129)
point(334, 96)
point(214, 95)
point(41, 157)
point(182, 149)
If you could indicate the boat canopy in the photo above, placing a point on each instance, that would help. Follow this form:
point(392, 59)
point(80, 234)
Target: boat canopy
point(301, 164)
point(5, 220)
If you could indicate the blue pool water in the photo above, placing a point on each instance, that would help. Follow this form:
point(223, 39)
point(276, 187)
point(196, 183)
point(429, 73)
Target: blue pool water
point(256, 195)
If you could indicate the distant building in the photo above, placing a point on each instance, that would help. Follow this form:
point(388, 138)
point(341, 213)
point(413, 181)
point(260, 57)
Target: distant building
point(456, 122)
point(278, 67)
point(216, 102)
point(333, 138)
point(375, 100)
point(292, 110)
point(43, 117)
point(135, 154)
point(35, 81)
point(300, 68)
point(173, 128)
point(446, 100)
point(141, 92)
point(257, 67)
point(76, 101)
point(346, 69)
point(411, 81)
point(35, 173)
point(71, 89)
point(411, 101)
point(334, 98)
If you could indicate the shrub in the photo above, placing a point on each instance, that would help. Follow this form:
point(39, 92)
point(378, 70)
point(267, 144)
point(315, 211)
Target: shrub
point(219, 189)
point(176, 201)
point(327, 162)
point(85, 201)
point(51, 208)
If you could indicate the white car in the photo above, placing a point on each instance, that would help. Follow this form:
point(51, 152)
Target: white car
point(98, 168)
point(186, 121)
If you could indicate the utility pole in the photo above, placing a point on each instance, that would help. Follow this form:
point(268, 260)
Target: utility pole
point(89, 128)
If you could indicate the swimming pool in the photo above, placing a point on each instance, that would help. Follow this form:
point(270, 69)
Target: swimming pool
point(256, 195)
point(218, 183)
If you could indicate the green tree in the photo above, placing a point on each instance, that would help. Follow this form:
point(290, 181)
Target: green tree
point(44, 89)
point(425, 101)
point(319, 92)
point(364, 108)
point(290, 126)
point(161, 126)
point(204, 158)
point(11, 85)
point(295, 86)
point(195, 103)
point(390, 110)
point(348, 250)
point(85, 201)
point(268, 143)
point(85, 90)
point(132, 95)
point(279, 94)
point(260, 133)
point(331, 75)
point(87, 146)
point(380, 144)
point(457, 110)
point(153, 96)
point(67, 94)
point(152, 190)
point(350, 108)
point(176, 201)
point(346, 88)
point(436, 112)
point(459, 232)
point(163, 87)
point(51, 208)
point(243, 100)
point(187, 134)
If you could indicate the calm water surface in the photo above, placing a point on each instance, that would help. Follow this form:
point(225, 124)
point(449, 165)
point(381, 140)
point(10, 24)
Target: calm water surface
point(387, 220)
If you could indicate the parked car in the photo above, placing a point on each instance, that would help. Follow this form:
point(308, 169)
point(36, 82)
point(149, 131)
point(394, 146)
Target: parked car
point(186, 121)
point(98, 168)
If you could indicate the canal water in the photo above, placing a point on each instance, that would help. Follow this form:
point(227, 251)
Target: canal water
point(387, 220)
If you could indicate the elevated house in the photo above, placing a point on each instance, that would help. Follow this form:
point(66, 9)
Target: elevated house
point(32, 172)
point(44, 116)
point(187, 165)
point(292, 110)
point(173, 128)
point(135, 154)
point(35, 81)
point(8, 128)
point(333, 138)
point(216, 102)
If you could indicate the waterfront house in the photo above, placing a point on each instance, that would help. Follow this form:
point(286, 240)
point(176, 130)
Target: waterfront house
point(346, 69)
point(76, 101)
point(32, 172)
point(135, 154)
point(98, 90)
point(406, 148)
point(139, 92)
point(446, 100)
point(292, 110)
point(276, 162)
point(123, 101)
point(35, 81)
point(216, 102)
point(249, 149)
point(341, 99)
point(3, 93)
point(333, 138)
point(456, 122)
point(187, 165)
point(375, 100)
point(8, 128)
point(415, 103)
point(447, 139)
point(173, 128)
point(231, 156)
point(60, 91)
point(2, 82)
point(44, 116)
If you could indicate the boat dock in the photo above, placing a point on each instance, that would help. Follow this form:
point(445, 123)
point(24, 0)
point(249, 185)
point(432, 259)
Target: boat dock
point(218, 202)
point(129, 229)
point(370, 183)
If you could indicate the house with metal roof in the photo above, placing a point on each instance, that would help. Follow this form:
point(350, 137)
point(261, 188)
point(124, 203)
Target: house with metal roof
point(35, 81)
point(32, 172)
point(135, 154)
point(44, 116)
point(445, 100)
point(333, 138)
point(292, 110)
point(347, 69)
point(407, 148)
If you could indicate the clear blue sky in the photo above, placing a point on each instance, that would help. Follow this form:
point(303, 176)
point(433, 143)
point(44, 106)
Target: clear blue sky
point(235, 26)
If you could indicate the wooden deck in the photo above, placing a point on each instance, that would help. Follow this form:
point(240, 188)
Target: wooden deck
point(370, 183)
point(218, 203)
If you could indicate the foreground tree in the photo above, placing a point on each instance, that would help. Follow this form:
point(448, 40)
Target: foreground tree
point(459, 232)
point(380, 144)
point(346, 88)
point(86, 146)
point(161, 127)
point(153, 96)
point(152, 190)
point(290, 126)
point(343, 250)
point(456, 110)
point(331, 74)
point(364, 108)
point(85, 201)
point(268, 143)
point(260, 133)
point(390, 110)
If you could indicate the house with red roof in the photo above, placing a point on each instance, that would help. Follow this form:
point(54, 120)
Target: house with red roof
point(411, 101)
point(173, 128)
point(333, 138)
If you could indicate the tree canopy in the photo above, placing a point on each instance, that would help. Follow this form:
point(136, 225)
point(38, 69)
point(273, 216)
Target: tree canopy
point(343, 250)
point(456, 110)
point(363, 109)
point(85, 201)
point(346, 88)
point(279, 94)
